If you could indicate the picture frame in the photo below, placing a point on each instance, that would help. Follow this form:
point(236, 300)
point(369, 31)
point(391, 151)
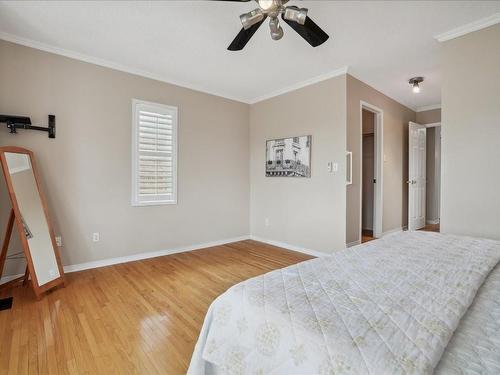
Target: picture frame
point(289, 157)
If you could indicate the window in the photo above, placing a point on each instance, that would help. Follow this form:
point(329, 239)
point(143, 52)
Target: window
point(154, 154)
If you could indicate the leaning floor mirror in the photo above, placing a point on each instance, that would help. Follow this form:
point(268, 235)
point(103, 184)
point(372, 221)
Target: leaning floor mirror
point(30, 216)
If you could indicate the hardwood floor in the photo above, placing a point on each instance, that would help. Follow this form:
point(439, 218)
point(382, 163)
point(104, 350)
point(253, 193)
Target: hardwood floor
point(367, 235)
point(432, 228)
point(136, 318)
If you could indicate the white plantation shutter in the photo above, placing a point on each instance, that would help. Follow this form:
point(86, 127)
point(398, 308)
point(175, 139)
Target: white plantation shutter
point(155, 154)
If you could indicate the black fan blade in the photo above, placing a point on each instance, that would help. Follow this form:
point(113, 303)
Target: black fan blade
point(311, 32)
point(244, 36)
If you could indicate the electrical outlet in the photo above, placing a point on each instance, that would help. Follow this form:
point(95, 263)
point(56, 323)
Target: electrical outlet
point(96, 237)
point(59, 241)
point(266, 221)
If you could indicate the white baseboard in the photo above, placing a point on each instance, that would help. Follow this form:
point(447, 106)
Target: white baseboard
point(287, 246)
point(354, 243)
point(182, 249)
point(153, 254)
point(141, 256)
point(383, 234)
point(436, 221)
point(392, 231)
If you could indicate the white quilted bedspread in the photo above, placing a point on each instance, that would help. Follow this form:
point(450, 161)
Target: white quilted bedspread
point(475, 345)
point(386, 307)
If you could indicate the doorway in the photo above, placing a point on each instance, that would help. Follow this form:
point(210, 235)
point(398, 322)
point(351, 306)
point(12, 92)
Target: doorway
point(417, 149)
point(371, 172)
point(433, 191)
point(368, 175)
point(424, 177)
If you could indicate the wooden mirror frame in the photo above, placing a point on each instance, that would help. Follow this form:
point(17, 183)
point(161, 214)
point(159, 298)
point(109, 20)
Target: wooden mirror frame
point(38, 289)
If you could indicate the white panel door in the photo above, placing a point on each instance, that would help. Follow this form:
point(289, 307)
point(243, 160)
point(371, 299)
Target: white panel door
point(417, 176)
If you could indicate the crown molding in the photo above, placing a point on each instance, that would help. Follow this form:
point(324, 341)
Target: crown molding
point(113, 65)
point(123, 68)
point(428, 108)
point(299, 85)
point(127, 69)
point(469, 28)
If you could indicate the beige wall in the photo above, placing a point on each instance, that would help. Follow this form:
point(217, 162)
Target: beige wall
point(368, 119)
point(428, 117)
point(86, 170)
point(395, 196)
point(470, 202)
point(306, 212)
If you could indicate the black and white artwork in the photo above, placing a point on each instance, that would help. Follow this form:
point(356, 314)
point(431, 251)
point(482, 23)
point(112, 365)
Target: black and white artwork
point(289, 157)
point(27, 231)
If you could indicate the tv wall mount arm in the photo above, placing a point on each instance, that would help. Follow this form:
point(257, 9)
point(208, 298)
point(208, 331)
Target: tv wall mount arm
point(21, 122)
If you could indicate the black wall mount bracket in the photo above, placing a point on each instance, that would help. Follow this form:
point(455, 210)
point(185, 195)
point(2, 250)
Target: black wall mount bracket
point(22, 122)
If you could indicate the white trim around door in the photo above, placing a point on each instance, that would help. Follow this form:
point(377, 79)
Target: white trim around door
point(433, 125)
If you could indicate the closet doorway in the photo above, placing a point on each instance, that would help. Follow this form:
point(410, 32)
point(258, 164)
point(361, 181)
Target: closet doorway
point(371, 172)
point(433, 184)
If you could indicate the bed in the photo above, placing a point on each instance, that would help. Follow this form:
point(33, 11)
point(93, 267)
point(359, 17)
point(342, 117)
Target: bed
point(409, 303)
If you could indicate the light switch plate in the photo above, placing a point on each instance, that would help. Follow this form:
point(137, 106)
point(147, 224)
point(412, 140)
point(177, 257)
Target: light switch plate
point(333, 167)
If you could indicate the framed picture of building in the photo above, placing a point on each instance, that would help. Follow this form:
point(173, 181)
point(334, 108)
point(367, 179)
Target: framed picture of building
point(289, 157)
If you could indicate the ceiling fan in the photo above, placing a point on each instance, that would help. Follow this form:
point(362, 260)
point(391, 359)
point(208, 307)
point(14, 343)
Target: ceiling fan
point(294, 16)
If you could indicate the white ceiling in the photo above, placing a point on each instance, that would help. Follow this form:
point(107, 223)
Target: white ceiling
point(184, 42)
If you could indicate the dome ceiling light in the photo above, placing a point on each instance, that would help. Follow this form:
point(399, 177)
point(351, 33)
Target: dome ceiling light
point(414, 83)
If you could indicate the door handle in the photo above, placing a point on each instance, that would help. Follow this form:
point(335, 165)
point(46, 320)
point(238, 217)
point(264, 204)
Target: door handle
point(349, 169)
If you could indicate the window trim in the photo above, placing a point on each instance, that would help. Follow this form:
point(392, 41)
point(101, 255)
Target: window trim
point(135, 201)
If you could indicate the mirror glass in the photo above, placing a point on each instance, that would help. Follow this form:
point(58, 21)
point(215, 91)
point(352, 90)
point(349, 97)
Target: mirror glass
point(33, 219)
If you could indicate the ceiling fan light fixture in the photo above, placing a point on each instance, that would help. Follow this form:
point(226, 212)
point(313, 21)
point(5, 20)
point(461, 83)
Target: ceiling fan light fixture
point(276, 29)
point(267, 5)
point(251, 18)
point(297, 18)
point(296, 14)
point(414, 83)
